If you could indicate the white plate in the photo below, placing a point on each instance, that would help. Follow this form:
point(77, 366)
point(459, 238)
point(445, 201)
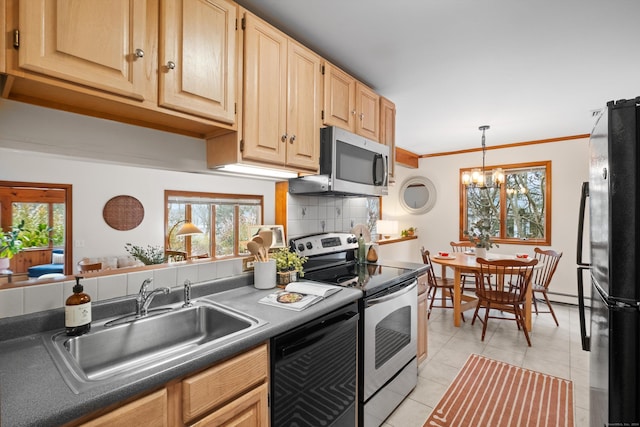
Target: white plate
point(445, 257)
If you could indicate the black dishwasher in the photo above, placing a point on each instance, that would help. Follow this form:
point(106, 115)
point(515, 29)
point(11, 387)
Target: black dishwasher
point(313, 372)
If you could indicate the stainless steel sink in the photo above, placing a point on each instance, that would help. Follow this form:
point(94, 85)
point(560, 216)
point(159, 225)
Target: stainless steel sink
point(116, 348)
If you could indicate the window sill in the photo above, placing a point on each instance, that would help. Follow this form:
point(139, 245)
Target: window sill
point(396, 240)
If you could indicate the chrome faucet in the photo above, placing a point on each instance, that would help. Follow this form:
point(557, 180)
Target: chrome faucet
point(144, 298)
point(187, 293)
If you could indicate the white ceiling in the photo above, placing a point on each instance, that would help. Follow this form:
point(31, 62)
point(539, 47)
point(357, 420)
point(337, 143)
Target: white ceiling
point(530, 69)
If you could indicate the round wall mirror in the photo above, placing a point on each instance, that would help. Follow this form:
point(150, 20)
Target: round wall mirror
point(417, 195)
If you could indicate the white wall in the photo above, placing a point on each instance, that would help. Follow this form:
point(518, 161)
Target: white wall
point(103, 159)
point(569, 166)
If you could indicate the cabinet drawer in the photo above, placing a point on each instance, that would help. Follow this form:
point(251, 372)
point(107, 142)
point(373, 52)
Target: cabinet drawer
point(249, 409)
point(149, 411)
point(221, 383)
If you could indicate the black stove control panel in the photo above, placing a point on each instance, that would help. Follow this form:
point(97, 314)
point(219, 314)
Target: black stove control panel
point(324, 243)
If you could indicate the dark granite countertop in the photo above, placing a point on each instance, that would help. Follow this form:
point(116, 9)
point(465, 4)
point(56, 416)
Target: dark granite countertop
point(33, 392)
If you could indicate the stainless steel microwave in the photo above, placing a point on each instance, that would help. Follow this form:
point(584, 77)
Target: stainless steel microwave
point(350, 165)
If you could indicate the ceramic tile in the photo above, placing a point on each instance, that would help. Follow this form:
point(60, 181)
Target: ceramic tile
point(165, 277)
point(187, 272)
point(11, 302)
point(229, 267)
point(112, 286)
point(207, 271)
point(42, 297)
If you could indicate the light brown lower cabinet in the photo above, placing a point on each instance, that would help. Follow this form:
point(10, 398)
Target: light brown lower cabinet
point(231, 393)
point(422, 318)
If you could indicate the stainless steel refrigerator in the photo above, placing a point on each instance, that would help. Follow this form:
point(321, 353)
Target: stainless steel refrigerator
point(613, 333)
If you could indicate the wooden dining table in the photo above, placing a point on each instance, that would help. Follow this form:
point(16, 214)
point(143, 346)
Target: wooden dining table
point(461, 262)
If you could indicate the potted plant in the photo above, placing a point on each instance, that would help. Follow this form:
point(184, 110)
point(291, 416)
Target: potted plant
point(149, 255)
point(480, 236)
point(288, 265)
point(10, 244)
point(409, 232)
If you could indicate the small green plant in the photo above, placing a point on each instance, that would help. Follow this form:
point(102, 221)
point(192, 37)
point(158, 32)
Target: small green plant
point(480, 234)
point(409, 232)
point(38, 237)
point(149, 255)
point(289, 261)
point(10, 241)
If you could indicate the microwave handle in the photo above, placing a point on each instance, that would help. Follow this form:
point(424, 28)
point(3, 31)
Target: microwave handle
point(379, 158)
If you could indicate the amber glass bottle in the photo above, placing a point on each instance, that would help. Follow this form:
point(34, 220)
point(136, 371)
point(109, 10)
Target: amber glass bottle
point(77, 311)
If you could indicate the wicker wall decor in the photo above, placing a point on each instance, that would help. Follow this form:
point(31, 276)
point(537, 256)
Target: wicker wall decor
point(123, 212)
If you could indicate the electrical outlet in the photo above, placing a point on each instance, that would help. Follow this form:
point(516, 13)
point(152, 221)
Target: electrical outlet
point(247, 263)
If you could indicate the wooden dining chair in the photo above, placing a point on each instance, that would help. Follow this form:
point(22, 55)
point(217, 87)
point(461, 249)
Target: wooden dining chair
point(85, 266)
point(502, 285)
point(542, 277)
point(463, 246)
point(175, 256)
point(436, 283)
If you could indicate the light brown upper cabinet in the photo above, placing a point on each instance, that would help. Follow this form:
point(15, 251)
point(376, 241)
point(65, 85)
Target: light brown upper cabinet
point(3, 35)
point(90, 42)
point(388, 131)
point(165, 64)
point(281, 104)
point(350, 104)
point(197, 57)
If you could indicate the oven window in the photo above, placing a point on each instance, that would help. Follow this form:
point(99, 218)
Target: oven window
point(393, 333)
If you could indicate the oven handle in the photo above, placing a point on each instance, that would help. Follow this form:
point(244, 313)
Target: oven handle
point(393, 295)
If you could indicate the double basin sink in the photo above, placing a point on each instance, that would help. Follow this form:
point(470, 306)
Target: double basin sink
point(121, 347)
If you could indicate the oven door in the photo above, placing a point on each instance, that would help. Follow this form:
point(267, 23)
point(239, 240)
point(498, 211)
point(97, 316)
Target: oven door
point(390, 334)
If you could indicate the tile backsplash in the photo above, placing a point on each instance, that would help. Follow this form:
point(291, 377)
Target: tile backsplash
point(306, 215)
point(31, 299)
point(317, 214)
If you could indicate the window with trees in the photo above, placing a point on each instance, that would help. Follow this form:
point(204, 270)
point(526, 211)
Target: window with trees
point(519, 211)
point(44, 209)
point(224, 220)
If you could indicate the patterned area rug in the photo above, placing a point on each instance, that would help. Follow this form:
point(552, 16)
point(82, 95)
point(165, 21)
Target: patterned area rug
point(487, 392)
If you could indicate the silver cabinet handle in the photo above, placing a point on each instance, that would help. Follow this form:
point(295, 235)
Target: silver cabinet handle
point(284, 138)
point(361, 116)
point(171, 65)
point(292, 139)
point(353, 113)
point(139, 53)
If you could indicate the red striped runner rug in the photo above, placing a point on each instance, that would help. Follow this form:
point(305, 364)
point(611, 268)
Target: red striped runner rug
point(488, 392)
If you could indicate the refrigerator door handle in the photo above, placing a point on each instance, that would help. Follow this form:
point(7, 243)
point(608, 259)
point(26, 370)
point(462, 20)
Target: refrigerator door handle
point(586, 339)
point(582, 266)
point(583, 203)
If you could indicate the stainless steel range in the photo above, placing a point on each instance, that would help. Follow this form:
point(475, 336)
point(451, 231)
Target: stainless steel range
point(387, 333)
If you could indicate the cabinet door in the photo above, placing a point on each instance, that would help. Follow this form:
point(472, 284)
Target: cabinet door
point(3, 35)
point(249, 410)
point(265, 92)
point(197, 58)
point(149, 411)
point(339, 98)
point(388, 131)
point(303, 108)
point(88, 42)
point(368, 112)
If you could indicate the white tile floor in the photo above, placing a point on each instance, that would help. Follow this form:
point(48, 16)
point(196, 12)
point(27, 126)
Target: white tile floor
point(555, 350)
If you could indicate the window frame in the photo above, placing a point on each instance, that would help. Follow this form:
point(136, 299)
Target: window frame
point(205, 195)
point(37, 192)
point(546, 241)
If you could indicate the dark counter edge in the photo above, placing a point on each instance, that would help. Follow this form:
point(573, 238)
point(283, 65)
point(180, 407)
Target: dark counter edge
point(61, 405)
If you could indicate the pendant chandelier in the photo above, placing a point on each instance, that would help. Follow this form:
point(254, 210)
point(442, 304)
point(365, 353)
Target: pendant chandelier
point(478, 177)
